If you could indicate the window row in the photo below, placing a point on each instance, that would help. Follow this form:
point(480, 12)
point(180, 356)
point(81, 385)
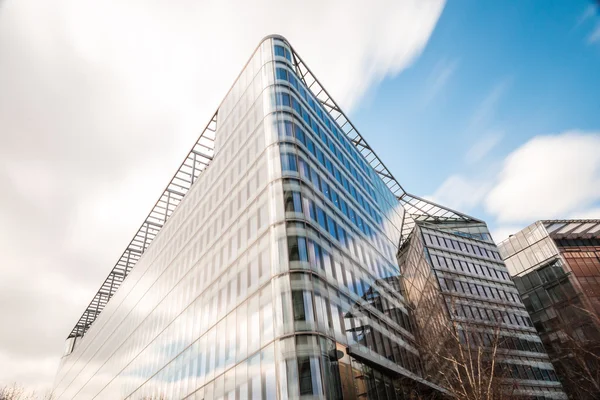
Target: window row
point(326, 310)
point(325, 221)
point(534, 255)
point(537, 299)
point(254, 378)
point(483, 236)
point(520, 371)
point(588, 266)
point(360, 328)
point(356, 281)
point(471, 312)
point(343, 141)
point(477, 289)
point(294, 130)
point(170, 294)
point(167, 336)
point(457, 245)
point(551, 272)
point(231, 340)
point(504, 342)
point(584, 244)
point(467, 266)
point(545, 297)
point(328, 221)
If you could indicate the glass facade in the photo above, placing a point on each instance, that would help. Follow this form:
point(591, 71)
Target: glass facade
point(556, 268)
point(454, 276)
point(274, 278)
point(277, 276)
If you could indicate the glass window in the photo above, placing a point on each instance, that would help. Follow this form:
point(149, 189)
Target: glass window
point(297, 202)
point(253, 324)
point(289, 201)
point(268, 374)
point(321, 218)
point(281, 73)
point(331, 226)
point(255, 388)
point(242, 332)
point(283, 52)
point(297, 249)
point(241, 381)
point(279, 51)
point(304, 374)
point(288, 162)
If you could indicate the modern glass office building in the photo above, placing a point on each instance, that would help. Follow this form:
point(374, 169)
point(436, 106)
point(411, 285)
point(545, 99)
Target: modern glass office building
point(270, 266)
point(454, 277)
point(556, 267)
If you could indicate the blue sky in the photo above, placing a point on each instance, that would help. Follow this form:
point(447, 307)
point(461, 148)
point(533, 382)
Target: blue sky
point(493, 75)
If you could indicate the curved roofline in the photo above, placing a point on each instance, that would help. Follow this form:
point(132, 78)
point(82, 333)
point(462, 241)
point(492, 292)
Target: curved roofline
point(274, 36)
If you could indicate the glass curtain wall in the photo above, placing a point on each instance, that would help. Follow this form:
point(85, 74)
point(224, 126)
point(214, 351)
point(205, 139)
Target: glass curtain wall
point(556, 268)
point(343, 228)
point(196, 317)
point(274, 278)
point(454, 276)
point(277, 275)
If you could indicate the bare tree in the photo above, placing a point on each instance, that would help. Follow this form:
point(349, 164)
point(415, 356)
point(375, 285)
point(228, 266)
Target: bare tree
point(577, 355)
point(17, 392)
point(467, 362)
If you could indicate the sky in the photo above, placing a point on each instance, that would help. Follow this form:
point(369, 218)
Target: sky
point(499, 117)
point(489, 107)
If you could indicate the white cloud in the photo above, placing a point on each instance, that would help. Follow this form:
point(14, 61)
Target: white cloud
point(29, 369)
point(483, 146)
point(595, 35)
point(548, 177)
point(590, 213)
point(439, 77)
point(487, 108)
point(460, 193)
point(100, 100)
point(588, 15)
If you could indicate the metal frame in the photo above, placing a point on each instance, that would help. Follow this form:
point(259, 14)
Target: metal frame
point(591, 228)
point(416, 208)
point(196, 161)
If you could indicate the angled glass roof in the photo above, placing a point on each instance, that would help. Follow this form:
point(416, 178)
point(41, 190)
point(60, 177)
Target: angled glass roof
point(573, 228)
point(552, 227)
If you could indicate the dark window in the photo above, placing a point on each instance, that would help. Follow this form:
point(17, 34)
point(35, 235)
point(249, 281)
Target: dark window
point(331, 226)
point(321, 218)
point(282, 52)
point(297, 248)
point(288, 162)
point(298, 305)
point(297, 202)
point(289, 201)
point(281, 74)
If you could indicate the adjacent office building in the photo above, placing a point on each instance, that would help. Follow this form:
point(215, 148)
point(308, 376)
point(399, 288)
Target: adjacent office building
point(556, 267)
point(454, 277)
point(283, 260)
